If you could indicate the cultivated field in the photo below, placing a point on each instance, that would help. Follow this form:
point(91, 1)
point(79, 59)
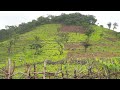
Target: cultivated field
point(49, 60)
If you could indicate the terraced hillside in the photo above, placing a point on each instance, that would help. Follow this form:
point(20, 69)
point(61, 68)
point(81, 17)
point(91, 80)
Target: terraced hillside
point(104, 44)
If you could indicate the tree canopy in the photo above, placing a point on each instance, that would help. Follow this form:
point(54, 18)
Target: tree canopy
point(66, 19)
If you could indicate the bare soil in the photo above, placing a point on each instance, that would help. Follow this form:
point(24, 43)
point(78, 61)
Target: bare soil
point(112, 39)
point(73, 56)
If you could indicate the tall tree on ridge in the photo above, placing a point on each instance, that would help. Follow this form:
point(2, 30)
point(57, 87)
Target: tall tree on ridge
point(115, 25)
point(109, 25)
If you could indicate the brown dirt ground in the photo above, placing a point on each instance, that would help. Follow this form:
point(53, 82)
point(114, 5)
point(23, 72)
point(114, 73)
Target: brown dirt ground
point(112, 39)
point(72, 55)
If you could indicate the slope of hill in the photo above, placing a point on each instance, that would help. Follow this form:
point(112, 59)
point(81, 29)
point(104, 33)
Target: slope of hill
point(104, 44)
point(47, 33)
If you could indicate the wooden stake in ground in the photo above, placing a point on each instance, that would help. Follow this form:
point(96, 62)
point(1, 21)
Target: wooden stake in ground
point(44, 71)
point(62, 75)
point(35, 76)
point(67, 73)
point(28, 75)
point(75, 76)
point(9, 68)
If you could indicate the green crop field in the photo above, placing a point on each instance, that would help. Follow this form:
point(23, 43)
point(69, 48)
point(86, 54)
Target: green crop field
point(101, 48)
point(60, 47)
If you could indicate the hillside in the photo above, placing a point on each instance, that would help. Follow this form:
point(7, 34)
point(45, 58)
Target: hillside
point(103, 46)
point(48, 33)
point(65, 46)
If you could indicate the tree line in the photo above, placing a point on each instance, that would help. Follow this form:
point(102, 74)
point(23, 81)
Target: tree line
point(66, 19)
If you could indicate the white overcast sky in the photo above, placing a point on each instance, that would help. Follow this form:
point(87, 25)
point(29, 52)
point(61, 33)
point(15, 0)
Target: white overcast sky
point(17, 17)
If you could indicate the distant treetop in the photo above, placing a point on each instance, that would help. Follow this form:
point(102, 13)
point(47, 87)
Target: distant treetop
point(65, 19)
